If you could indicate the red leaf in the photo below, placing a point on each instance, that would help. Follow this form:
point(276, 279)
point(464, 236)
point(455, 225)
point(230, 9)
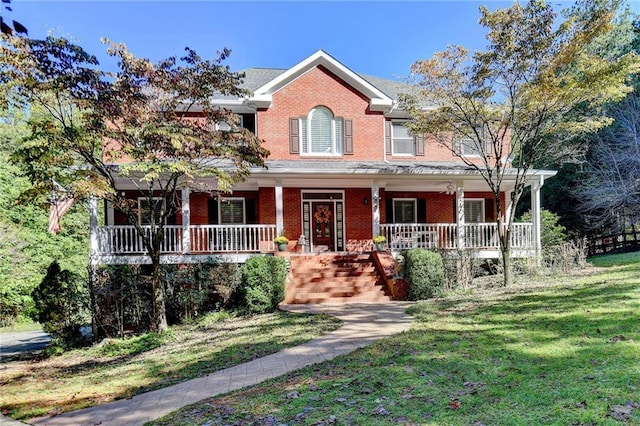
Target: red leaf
point(455, 404)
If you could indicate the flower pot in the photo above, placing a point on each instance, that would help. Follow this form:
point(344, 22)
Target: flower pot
point(282, 247)
point(380, 247)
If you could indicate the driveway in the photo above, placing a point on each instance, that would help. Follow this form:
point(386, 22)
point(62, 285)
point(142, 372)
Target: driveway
point(14, 344)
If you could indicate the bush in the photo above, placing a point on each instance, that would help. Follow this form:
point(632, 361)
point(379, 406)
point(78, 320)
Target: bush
point(122, 301)
point(424, 271)
point(263, 283)
point(61, 304)
point(552, 233)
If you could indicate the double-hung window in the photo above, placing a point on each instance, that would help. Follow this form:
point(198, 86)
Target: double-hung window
point(403, 142)
point(148, 208)
point(321, 133)
point(474, 143)
point(232, 211)
point(473, 211)
point(404, 210)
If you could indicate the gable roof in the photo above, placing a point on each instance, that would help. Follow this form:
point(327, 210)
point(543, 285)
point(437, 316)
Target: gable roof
point(268, 81)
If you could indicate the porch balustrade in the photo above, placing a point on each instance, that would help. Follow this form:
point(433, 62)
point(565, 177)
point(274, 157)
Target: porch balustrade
point(204, 239)
point(123, 239)
point(444, 236)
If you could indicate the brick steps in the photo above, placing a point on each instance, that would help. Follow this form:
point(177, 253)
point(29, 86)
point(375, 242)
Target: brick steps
point(335, 278)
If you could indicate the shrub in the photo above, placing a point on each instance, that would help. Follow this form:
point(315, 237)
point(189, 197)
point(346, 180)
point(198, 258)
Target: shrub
point(61, 304)
point(424, 271)
point(263, 283)
point(122, 303)
point(552, 233)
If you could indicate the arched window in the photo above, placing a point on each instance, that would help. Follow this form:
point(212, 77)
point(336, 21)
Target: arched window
point(321, 133)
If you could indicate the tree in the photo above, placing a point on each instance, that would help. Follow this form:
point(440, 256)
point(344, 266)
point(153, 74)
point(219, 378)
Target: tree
point(61, 303)
point(15, 26)
point(522, 101)
point(609, 192)
point(153, 125)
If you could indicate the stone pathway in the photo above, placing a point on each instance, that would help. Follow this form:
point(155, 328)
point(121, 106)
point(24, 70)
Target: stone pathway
point(363, 323)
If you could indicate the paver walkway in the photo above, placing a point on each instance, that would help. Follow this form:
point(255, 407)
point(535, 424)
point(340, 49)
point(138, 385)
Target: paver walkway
point(363, 323)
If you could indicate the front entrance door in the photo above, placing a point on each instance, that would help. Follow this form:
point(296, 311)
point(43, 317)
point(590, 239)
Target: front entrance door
point(323, 226)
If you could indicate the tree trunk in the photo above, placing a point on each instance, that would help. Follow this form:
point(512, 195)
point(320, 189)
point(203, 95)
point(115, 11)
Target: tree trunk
point(506, 266)
point(159, 319)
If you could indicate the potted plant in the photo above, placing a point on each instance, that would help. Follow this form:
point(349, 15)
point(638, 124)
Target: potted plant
point(281, 241)
point(379, 241)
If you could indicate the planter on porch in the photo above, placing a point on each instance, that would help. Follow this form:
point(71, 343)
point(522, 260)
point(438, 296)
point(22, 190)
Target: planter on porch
point(379, 242)
point(281, 242)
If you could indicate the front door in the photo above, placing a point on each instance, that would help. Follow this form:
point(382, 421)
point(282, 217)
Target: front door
point(323, 229)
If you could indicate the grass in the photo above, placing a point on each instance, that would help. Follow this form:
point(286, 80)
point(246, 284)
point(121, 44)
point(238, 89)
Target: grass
point(555, 351)
point(119, 368)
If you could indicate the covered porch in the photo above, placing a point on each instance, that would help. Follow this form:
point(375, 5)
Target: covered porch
point(412, 206)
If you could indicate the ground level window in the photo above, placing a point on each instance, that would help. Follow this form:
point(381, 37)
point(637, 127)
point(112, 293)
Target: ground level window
point(232, 211)
point(404, 210)
point(473, 211)
point(150, 208)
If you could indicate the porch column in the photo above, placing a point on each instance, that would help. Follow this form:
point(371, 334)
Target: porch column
point(507, 200)
point(460, 214)
point(375, 207)
point(536, 185)
point(279, 208)
point(110, 215)
point(93, 231)
point(186, 221)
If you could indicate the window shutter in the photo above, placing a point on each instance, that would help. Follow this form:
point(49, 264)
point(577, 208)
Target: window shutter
point(251, 210)
point(294, 136)
point(388, 211)
point(457, 148)
point(348, 137)
point(488, 148)
point(213, 211)
point(422, 211)
point(387, 137)
point(419, 142)
point(489, 205)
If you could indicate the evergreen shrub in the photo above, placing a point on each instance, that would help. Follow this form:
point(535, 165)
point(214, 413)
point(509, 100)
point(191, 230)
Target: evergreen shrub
point(263, 283)
point(424, 272)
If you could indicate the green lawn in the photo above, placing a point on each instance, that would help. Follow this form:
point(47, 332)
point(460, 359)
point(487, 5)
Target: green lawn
point(118, 368)
point(565, 353)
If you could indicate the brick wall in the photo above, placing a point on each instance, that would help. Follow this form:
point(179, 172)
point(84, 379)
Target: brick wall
point(319, 87)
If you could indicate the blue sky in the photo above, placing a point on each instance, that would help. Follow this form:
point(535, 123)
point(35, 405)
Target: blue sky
point(370, 37)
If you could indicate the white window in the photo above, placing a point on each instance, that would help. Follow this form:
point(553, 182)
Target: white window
point(475, 143)
point(223, 126)
point(402, 142)
point(232, 211)
point(321, 133)
point(404, 210)
point(473, 211)
point(146, 209)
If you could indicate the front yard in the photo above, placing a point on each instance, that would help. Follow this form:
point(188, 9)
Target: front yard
point(556, 350)
point(121, 368)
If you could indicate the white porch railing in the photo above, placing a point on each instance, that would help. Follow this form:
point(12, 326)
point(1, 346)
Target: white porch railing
point(401, 236)
point(123, 239)
point(231, 238)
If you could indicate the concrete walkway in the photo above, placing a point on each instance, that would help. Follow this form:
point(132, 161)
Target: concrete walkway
point(363, 324)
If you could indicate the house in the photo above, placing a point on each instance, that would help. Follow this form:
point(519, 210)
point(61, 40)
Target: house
point(343, 168)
